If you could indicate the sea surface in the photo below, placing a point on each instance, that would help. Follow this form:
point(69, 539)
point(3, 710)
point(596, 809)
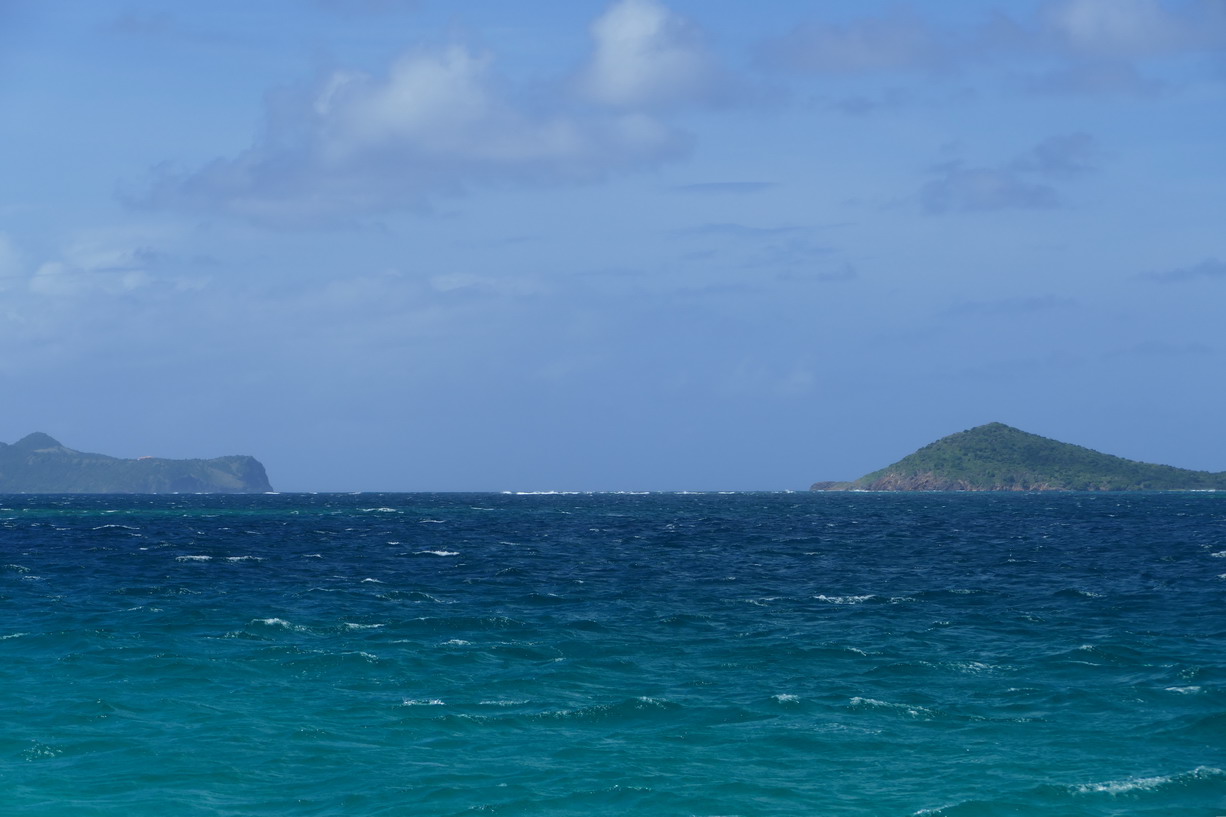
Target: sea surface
point(956, 655)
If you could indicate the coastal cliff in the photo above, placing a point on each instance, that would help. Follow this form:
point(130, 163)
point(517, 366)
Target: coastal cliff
point(997, 457)
point(40, 464)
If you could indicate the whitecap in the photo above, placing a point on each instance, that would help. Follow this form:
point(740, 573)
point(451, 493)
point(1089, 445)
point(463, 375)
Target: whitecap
point(426, 702)
point(972, 667)
point(1221, 554)
point(244, 558)
point(786, 698)
point(437, 553)
point(193, 558)
point(349, 625)
point(873, 703)
point(1189, 690)
point(433, 521)
point(1132, 784)
point(844, 599)
point(1114, 787)
point(548, 493)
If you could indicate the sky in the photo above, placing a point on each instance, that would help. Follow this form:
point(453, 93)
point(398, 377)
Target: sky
point(413, 245)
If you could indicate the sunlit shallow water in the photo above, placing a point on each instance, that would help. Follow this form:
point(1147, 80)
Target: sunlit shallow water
point(699, 654)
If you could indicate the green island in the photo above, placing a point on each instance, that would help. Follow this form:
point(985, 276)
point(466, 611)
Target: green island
point(997, 457)
point(39, 464)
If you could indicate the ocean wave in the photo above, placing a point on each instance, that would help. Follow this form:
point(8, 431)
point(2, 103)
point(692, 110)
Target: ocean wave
point(437, 552)
point(887, 706)
point(622, 710)
point(1132, 785)
point(280, 623)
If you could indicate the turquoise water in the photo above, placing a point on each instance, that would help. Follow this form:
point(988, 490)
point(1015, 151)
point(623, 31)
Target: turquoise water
point(742, 654)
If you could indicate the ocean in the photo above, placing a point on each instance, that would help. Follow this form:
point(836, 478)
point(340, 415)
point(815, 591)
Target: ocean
point(951, 655)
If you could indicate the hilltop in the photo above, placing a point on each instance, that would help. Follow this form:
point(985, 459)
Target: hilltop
point(997, 457)
point(40, 464)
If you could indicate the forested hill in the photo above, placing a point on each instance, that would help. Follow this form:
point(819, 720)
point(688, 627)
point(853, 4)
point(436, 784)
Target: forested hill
point(997, 457)
point(39, 464)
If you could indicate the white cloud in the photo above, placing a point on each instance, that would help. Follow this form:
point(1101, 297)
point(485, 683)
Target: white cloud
point(442, 121)
point(647, 56)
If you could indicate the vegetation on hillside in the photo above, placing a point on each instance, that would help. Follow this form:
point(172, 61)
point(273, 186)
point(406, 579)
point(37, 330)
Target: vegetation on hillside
point(997, 457)
point(38, 464)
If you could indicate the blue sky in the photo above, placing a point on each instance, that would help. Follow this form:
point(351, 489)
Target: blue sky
point(642, 244)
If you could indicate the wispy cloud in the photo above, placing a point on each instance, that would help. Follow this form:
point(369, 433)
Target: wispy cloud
point(354, 7)
point(740, 231)
point(1059, 157)
point(898, 41)
point(1065, 47)
point(1134, 29)
point(724, 188)
point(1028, 305)
point(1158, 348)
point(1209, 268)
point(1026, 182)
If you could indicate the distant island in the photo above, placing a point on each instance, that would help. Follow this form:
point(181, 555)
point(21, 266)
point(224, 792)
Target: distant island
point(997, 457)
point(39, 464)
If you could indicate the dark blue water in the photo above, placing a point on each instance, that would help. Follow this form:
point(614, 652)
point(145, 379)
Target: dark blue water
point(743, 654)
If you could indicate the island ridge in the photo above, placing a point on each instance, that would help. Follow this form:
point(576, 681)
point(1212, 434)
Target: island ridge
point(39, 464)
point(997, 457)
